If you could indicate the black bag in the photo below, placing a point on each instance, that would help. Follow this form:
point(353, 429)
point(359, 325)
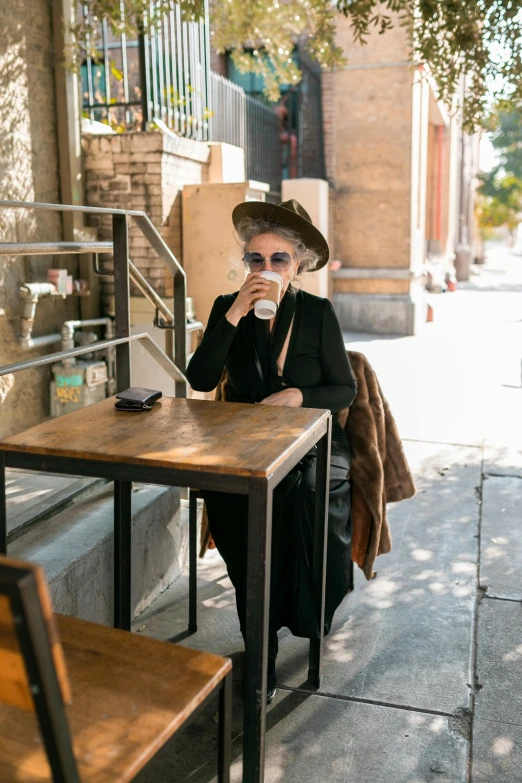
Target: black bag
point(137, 399)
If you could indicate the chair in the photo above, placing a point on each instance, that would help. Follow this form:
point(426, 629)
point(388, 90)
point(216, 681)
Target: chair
point(103, 701)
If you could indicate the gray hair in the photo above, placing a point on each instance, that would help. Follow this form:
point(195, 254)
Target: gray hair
point(254, 227)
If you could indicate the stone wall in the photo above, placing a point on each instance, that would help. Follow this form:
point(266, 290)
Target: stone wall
point(143, 171)
point(29, 172)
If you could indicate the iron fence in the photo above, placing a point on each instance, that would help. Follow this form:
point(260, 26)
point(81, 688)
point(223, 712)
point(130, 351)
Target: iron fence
point(263, 146)
point(310, 146)
point(282, 141)
point(163, 73)
point(239, 119)
point(228, 121)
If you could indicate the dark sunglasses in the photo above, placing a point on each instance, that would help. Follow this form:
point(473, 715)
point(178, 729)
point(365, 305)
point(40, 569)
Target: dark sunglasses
point(279, 261)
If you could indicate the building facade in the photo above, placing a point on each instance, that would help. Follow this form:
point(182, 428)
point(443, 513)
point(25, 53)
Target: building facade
point(394, 161)
point(29, 171)
point(387, 168)
point(401, 174)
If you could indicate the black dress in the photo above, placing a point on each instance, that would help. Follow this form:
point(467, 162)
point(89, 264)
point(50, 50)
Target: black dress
point(317, 364)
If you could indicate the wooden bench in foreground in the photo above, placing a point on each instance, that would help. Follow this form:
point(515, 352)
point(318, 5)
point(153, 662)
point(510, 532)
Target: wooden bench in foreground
point(82, 702)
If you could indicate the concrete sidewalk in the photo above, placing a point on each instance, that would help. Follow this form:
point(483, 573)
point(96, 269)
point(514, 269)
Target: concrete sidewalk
point(423, 666)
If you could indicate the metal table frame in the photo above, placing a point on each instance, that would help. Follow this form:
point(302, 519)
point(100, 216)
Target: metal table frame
point(260, 492)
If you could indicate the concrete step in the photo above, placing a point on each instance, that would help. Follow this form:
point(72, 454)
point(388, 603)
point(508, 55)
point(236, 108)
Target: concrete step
point(33, 497)
point(75, 548)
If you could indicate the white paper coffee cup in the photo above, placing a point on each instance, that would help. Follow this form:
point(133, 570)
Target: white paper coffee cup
point(267, 308)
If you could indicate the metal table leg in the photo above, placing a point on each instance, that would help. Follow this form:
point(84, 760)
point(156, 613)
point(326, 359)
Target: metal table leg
point(122, 555)
point(352, 577)
point(225, 727)
point(3, 507)
point(257, 616)
point(193, 561)
point(322, 487)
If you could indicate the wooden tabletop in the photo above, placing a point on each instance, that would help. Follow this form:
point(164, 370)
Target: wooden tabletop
point(210, 437)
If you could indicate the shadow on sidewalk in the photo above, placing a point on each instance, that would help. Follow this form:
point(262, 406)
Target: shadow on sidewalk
point(395, 698)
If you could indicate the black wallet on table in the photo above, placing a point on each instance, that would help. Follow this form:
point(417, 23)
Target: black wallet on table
point(136, 399)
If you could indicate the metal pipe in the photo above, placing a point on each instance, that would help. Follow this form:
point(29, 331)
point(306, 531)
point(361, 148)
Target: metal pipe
point(37, 289)
point(68, 338)
point(27, 318)
point(90, 322)
point(69, 327)
point(39, 342)
point(30, 293)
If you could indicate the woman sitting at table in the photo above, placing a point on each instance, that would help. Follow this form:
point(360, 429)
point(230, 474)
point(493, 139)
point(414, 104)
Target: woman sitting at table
point(296, 359)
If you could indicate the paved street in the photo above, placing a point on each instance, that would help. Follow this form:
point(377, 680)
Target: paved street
point(423, 666)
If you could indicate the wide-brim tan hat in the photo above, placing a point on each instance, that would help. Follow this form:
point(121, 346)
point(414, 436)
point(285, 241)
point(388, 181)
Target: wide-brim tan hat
point(291, 215)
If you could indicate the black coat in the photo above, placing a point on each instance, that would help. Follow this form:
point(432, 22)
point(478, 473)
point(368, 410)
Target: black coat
point(316, 362)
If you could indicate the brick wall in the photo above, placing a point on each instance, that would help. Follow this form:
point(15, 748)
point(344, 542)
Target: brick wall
point(370, 150)
point(218, 63)
point(143, 171)
point(28, 172)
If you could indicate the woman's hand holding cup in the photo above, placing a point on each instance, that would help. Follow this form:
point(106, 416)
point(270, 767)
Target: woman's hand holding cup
point(254, 288)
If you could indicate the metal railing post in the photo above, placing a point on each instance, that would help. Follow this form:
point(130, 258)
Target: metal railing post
point(180, 330)
point(169, 343)
point(120, 236)
point(144, 77)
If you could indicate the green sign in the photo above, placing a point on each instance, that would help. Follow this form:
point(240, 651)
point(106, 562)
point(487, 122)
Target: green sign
point(69, 380)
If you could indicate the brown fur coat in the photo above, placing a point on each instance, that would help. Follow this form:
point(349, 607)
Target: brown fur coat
point(379, 472)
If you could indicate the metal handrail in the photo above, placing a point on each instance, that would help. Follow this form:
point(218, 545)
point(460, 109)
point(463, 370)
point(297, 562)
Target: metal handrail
point(175, 346)
point(144, 339)
point(141, 219)
point(143, 285)
point(67, 208)
point(52, 248)
point(149, 293)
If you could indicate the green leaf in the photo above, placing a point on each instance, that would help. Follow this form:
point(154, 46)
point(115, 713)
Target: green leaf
point(116, 73)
